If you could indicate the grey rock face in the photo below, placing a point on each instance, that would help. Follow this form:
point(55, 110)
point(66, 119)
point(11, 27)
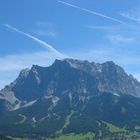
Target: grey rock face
point(70, 77)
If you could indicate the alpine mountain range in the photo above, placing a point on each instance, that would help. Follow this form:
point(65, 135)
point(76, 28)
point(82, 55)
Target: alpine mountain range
point(70, 96)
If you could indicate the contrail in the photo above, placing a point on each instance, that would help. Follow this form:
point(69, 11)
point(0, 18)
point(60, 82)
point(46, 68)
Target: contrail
point(44, 44)
point(92, 12)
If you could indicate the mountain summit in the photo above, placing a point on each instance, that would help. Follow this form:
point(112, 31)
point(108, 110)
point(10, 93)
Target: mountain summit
point(74, 76)
point(41, 99)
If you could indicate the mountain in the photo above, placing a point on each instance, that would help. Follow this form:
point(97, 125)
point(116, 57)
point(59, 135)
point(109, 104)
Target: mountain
point(70, 96)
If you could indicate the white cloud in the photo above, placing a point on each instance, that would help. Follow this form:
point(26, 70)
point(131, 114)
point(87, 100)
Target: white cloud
point(108, 28)
point(44, 29)
point(119, 39)
point(133, 14)
point(130, 16)
point(41, 32)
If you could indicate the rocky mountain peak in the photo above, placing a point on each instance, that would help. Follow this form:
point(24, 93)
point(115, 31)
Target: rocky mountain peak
point(75, 76)
point(24, 73)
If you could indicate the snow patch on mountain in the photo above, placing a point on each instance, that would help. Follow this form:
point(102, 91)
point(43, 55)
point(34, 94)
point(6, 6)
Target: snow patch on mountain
point(116, 94)
point(29, 103)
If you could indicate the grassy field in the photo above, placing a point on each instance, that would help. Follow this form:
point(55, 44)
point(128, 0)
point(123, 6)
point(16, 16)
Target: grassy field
point(114, 129)
point(87, 136)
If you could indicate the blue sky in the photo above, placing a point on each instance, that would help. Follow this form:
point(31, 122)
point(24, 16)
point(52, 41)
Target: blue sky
point(93, 30)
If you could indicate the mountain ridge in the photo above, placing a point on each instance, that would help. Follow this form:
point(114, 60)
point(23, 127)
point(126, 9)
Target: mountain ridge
point(76, 91)
point(108, 77)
